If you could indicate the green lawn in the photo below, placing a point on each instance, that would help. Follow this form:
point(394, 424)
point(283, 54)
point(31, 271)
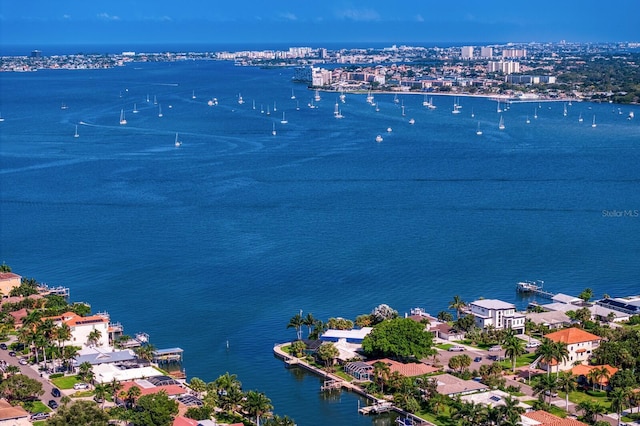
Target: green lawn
point(521, 361)
point(39, 407)
point(579, 396)
point(444, 346)
point(65, 382)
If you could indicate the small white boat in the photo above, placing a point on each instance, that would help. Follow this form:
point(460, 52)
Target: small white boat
point(472, 114)
point(63, 106)
point(479, 132)
point(147, 98)
point(297, 106)
point(456, 109)
point(155, 100)
point(268, 110)
point(369, 97)
point(535, 114)
point(135, 109)
point(564, 111)
point(412, 121)
point(580, 119)
point(395, 99)
point(273, 132)
point(177, 143)
point(389, 130)
point(193, 94)
point(501, 124)
point(527, 120)
point(123, 120)
point(631, 115)
point(1, 117)
point(284, 120)
point(293, 95)
point(253, 104)
point(317, 96)
point(379, 138)
point(76, 135)
point(343, 97)
point(240, 100)
point(593, 122)
point(159, 110)
point(274, 106)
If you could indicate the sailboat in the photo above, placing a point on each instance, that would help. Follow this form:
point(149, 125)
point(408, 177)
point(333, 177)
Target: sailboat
point(147, 98)
point(425, 102)
point(395, 99)
point(472, 114)
point(155, 100)
point(297, 106)
point(535, 114)
point(293, 95)
point(1, 117)
point(498, 109)
point(564, 112)
point(273, 132)
point(76, 135)
point(431, 105)
point(268, 110)
point(403, 114)
point(527, 120)
point(478, 132)
point(501, 125)
point(412, 121)
point(63, 106)
point(240, 100)
point(455, 110)
point(343, 97)
point(193, 94)
point(317, 96)
point(123, 120)
point(177, 143)
point(135, 109)
point(159, 110)
point(274, 106)
point(580, 120)
point(593, 123)
point(253, 105)
point(284, 120)
point(369, 97)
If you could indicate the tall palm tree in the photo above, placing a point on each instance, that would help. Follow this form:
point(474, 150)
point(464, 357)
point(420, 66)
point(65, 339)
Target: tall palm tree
point(511, 410)
point(560, 354)
point(132, 395)
point(257, 404)
point(101, 390)
point(513, 348)
point(619, 400)
point(296, 322)
point(546, 353)
point(458, 305)
point(567, 384)
point(145, 352)
point(94, 337)
point(309, 321)
point(590, 410)
point(381, 371)
point(547, 385)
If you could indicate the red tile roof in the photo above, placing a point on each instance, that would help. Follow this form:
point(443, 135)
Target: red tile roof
point(584, 370)
point(572, 335)
point(8, 276)
point(171, 390)
point(183, 421)
point(407, 370)
point(548, 419)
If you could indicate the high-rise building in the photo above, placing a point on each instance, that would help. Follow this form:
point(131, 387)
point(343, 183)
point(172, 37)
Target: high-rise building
point(514, 53)
point(36, 54)
point(503, 67)
point(486, 52)
point(467, 52)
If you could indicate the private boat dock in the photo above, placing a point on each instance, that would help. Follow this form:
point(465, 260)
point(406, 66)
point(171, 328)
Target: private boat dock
point(534, 287)
point(377, 408)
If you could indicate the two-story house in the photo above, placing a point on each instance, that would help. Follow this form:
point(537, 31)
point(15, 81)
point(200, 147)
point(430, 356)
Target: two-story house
point(498, 314)
point(579, 344)
point(82, 327)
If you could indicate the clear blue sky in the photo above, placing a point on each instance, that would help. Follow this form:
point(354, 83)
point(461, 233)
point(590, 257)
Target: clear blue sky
point(42, 22)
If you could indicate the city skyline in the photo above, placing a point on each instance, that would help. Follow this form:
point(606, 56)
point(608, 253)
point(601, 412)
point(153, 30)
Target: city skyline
point(42, 22)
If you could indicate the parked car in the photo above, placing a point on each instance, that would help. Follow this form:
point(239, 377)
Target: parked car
point(553, 394)
point(55, 392)
point(39, 416)
point(533, 344)
point(23, 361)
point(81, 385)
point(477, 359)
point(12, 353)
point(456, 349)
point(495, 348)
point(52, 404)
point(3, 346)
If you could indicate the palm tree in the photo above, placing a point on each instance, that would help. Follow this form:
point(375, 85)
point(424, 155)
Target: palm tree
point(68, 354)
point(381, 371)
point(101, 390)
point(560, 354)
point(256, 404)
point(114, 388)
point(619, 400)
point(513, 348)
point(94, 337)
point(567, 384)
point(309, 321)
point(145, 352)
point(458, 304)
point(198, 386)
point(132, 395)
point(546, 353)
point(591, 410)
point(547, 385)
point(296, 322)
point(511, 410)
point(84, 370)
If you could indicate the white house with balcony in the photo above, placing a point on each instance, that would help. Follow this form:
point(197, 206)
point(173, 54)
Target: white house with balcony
point(498, 314)
point(82, 327)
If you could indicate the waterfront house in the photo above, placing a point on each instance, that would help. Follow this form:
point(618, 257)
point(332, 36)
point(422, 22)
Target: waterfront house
point(542, 418)
point(491, 398)
point(498, 314)
point(355, 335)
point(550, 319)
point(410, 369)
point(9, 281)
point(360, 370)
point(97, 356)
point(580, 345)
point(451, 386)
point(445, 332)
point(82, 327)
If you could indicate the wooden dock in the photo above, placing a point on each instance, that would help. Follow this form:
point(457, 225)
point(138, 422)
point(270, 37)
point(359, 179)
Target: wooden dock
point(330, 385)
point(377, 408)
point(534, 287)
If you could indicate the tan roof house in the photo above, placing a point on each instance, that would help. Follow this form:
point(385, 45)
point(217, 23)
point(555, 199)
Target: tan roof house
point(580, 345)
point(8, 281)
point(10, 415)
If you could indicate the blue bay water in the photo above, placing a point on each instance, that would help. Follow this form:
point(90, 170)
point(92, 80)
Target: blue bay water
point(228, 236)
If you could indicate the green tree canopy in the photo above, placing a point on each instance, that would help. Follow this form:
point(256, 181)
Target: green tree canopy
point(81, 412)
point(400, 338)
point(19, 387)
point(154, 410)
